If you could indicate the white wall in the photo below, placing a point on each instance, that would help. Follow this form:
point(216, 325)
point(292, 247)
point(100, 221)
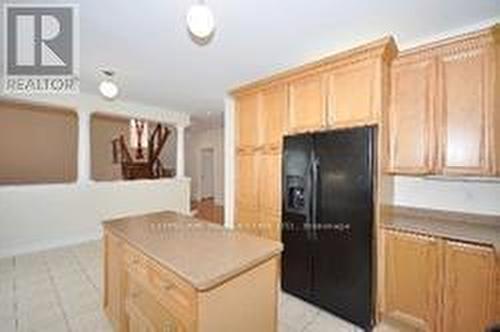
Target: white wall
point(36, 217)
point(197, 140)
point(39, 217)
point(456, 195)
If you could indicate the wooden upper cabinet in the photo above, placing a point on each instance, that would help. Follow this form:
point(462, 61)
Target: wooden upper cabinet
point(352, 96)
point(307, 107)
point(464, 84)
point(469, 290)
point(412, 279)
point(247, 121)
point(274, 107)
point(411, 117)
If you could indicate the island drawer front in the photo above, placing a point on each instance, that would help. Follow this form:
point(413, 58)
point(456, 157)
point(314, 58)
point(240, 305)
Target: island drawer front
point(172, 292)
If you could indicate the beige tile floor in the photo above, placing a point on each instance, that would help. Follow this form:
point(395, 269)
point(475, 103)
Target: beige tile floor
point(59, 290)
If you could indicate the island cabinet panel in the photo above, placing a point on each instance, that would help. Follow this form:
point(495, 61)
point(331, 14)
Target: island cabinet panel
point(113, 280)
point(412, 279)
point(463, 133)
point(411, 116)
point(248, 130)
point(307, 103)
point(352, 95)
point(469, 287)
point(247, 303)
point(273, 115)
point(144, 294)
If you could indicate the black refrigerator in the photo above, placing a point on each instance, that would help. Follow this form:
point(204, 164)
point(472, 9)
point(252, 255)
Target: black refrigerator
point(328, 221)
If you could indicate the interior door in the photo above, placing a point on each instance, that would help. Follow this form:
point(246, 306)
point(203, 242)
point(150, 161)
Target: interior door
point(296, 258)
point(343, 236)
point(207, 173)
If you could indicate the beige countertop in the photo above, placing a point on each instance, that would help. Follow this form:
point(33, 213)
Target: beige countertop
point(203, 254)
point(480, 229)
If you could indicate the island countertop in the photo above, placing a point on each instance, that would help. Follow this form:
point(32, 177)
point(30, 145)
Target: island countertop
point(203, 254)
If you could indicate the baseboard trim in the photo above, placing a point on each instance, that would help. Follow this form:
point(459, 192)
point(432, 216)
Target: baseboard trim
point(33, 247)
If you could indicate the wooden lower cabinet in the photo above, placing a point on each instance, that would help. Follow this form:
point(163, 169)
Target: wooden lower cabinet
point(439, 285)
point(469, 287)
point(412, 279)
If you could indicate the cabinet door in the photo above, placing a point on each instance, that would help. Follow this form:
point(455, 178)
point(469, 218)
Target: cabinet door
point(412, 279)
point(269, 187)
point(469, 291)
point(247, 220)
point(463, 84)
point(247, 180)
point(352, 96)
point(247, 120)
point(411, 117)
point(307, 109)
point(270, 226)
point(274, 103)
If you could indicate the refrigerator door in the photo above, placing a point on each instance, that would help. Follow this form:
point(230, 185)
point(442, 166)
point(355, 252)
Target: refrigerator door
point(297, 257)
point(343, 233)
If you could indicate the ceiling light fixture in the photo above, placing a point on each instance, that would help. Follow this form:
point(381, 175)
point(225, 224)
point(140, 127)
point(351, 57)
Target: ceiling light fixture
point(200, 20)
point(108, 88)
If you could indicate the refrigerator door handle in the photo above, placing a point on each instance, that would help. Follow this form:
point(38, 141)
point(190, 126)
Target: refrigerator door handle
point(310, 194)
point(314, 198)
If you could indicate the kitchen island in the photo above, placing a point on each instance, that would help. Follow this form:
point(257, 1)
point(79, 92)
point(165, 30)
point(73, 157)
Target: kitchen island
point(170, 272)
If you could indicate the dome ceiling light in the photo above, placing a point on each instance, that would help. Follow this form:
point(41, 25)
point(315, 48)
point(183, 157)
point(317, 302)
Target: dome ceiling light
point(200, 20)
point(108, 87)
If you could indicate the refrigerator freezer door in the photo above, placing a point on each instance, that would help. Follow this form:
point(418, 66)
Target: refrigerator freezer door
point(297, 256)
point(343, 246)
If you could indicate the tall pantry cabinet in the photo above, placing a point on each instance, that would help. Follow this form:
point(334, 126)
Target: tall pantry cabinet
point(259, 128)
point(345, 90)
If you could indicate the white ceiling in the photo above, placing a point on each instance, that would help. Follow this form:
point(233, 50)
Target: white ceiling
point(147, 43)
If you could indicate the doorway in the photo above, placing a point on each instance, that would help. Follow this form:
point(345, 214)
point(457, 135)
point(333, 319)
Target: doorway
point(207, 174)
